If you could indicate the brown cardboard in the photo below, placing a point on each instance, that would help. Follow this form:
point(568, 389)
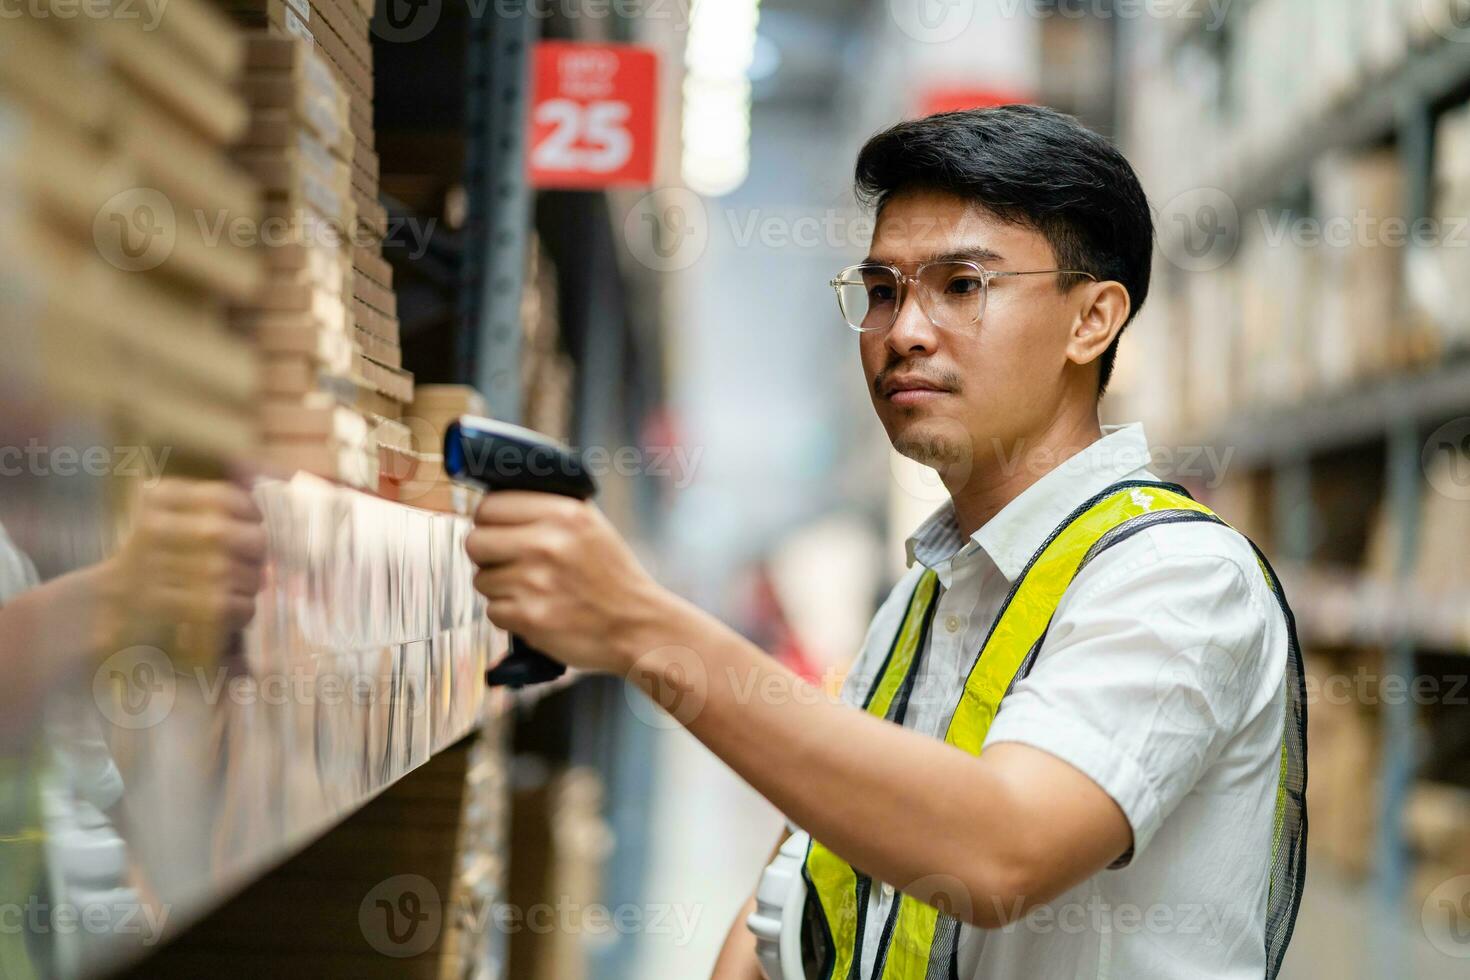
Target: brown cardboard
point(288, 375)
point(371, 214)
point(380, 350)
point(354, 41)
point(353, 466)
point(384, 301)
point(287, 173)
point(48, 70)
point(174, 159)
point(282, 419)
point(205, 35)
point(366, 162)
point(380, 325)
point(392, 381)
point(297, 79)
point(279, 129)
point(199, 98)
point(67, 177)
point(369, 262)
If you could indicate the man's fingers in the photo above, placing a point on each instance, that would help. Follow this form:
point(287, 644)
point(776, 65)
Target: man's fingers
point(523, 507)
point(226, 498)
point(497, 583)
point(502, 543)
point(219, 496)
point(508, 614)
point(170, 493)
point(205, 532)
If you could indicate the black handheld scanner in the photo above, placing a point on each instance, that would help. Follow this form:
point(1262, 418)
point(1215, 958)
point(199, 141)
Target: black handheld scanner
point(494, 456)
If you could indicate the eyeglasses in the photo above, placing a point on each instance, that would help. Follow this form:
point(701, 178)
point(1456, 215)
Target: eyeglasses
point(951, 293)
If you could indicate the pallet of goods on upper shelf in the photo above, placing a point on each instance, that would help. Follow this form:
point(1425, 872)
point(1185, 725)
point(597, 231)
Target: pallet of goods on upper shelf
point(1439, 267)
point(327, 404)
point(337, 30)
point(1437, 824)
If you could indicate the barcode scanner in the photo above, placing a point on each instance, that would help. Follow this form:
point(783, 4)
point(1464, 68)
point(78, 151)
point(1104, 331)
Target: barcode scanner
point(493, 456)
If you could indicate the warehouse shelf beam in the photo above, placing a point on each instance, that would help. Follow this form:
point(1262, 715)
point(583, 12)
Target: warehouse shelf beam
point(1349, 418)
point(494, 265)
point(1338, 606)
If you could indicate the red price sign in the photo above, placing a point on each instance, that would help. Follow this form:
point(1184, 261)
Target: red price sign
point(593, 110)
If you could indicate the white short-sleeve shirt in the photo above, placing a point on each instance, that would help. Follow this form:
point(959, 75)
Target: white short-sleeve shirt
point(1162, 678)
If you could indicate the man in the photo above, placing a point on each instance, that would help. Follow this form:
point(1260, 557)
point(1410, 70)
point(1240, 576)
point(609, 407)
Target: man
point(1081, 745)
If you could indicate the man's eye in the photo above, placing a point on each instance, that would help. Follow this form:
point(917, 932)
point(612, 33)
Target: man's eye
point(964, 286)
point(880, 294)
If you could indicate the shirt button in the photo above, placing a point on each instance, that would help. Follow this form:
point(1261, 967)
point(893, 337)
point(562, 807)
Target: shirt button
point(887, 891)
point(952, 623)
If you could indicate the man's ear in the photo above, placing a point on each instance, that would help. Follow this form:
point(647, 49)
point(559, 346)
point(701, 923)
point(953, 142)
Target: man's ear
point(1104, 313)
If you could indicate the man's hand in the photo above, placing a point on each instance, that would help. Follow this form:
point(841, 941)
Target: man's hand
point(556, 573)
point(992, 836)
point(195, 556)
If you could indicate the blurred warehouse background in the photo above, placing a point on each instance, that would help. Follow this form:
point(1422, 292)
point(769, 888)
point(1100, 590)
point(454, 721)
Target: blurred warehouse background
point(1302, 367)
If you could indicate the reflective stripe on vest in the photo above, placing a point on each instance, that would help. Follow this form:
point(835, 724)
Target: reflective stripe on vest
point(920, 941)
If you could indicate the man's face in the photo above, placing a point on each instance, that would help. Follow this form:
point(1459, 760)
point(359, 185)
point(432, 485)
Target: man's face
point(949, 396)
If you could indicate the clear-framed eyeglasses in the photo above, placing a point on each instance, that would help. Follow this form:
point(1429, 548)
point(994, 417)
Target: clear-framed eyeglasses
point(952, 293)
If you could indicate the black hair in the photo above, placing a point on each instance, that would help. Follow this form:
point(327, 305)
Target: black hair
point(1032, 166)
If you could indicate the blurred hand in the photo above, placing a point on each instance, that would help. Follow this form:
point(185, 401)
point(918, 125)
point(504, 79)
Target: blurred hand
point(556, 573)
point(194, 557)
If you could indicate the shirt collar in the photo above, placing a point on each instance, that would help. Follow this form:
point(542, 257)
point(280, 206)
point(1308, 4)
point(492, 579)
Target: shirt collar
point(1012, 536)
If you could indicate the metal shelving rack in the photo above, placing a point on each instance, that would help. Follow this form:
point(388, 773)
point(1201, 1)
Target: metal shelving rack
point(494, 262)
point(1396, 411)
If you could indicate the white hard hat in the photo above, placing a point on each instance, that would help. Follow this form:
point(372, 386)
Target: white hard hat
point(779, 900)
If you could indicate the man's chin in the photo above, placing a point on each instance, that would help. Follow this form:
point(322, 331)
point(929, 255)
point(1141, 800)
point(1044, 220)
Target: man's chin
point(938, 445)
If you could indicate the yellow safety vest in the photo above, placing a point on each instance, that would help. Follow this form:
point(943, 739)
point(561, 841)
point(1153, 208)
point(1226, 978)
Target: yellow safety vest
point(920, 941)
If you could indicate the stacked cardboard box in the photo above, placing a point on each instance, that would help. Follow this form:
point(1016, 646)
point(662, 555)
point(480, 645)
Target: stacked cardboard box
point(434, 407)
point(1437, 823)
point(113, 172)
point(1439, 271)
point(1441, 570)
point(1361, 204)
point(338, 31)
point(299, 146)
point(546, 370)
point(1211, 365)
point(1342, 745)
point(560, 843)
point(328, 404)
point(1277, 309)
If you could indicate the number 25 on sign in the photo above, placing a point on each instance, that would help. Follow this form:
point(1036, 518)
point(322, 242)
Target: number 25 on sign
point(593, 113)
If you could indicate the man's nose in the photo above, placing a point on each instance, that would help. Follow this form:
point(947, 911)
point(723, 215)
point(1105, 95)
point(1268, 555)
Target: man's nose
point(912, 331)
